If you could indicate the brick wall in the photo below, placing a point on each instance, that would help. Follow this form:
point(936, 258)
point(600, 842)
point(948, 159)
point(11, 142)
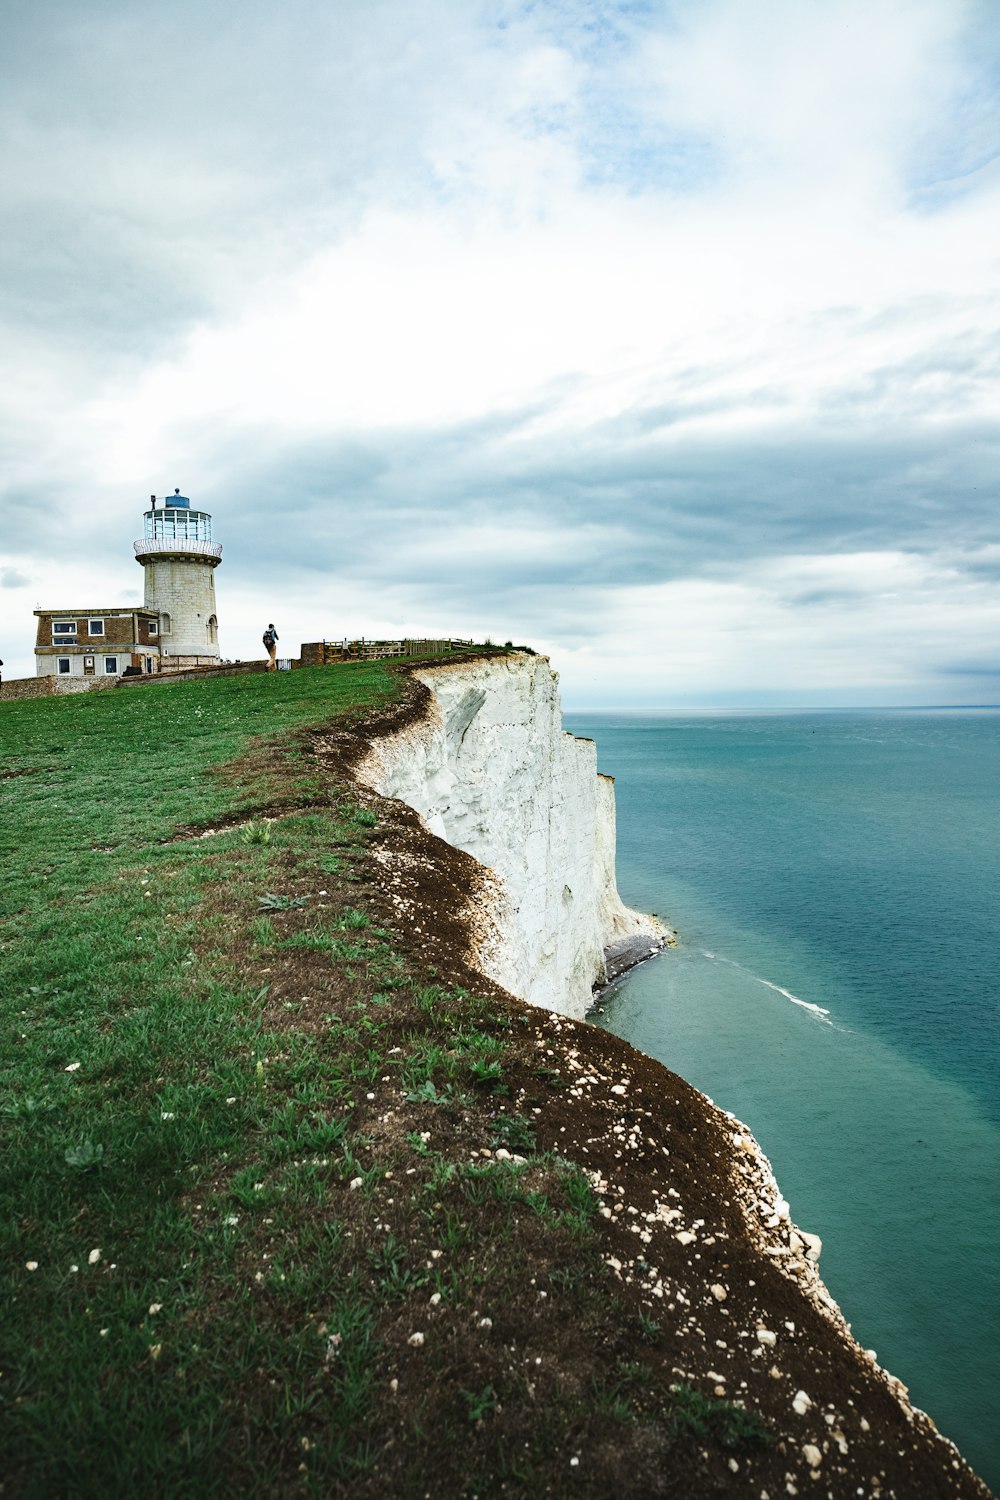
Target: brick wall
point(27, 687)
point(51, 686)
point(228, 669)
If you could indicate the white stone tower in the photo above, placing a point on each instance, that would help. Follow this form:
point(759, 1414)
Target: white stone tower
point(179, 559)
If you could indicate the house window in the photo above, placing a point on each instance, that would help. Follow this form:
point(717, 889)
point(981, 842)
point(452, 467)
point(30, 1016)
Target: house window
point(63, 630)
point(111, 666)
point(64, 665)
point(152, 627)
point(95, 627)
point(165, 624)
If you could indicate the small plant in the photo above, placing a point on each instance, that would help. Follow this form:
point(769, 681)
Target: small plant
point(427, 1093)
point(612, 1396)
point(565, 1277)
point(396, 1280)
point(579, 1190)
point(272, 902)
point(649, 1328)
point(481, 1405)
point(488, 1075)
point(16, 1109)
point(706, 1417)
point(514, 1132)
point(442, 1174)
point(247, 1187)
point(84, 1156)
point(257, 832)
point(354, 920)
point(364, 818)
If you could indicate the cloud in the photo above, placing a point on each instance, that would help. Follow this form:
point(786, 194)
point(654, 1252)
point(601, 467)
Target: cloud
point(505, 314)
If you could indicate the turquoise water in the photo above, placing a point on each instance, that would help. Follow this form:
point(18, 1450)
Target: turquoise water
point(835, 882)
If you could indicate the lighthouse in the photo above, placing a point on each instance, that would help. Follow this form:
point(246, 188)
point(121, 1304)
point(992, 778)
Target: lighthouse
point(179, 560)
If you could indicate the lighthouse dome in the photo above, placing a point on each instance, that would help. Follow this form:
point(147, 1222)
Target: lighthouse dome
point(176, 501)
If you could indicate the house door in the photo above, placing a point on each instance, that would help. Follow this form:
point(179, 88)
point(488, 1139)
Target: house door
point(88, 666)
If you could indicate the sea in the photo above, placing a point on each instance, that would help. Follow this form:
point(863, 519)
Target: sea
point(834, 881)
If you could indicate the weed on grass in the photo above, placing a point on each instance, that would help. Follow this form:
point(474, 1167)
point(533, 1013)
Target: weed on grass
point(708, 1418)
point(257, 832)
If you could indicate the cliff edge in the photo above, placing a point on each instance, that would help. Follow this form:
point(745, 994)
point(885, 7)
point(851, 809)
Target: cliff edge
point(490, 769)
point(697, 1236)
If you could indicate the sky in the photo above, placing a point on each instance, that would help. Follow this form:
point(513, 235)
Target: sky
point(662, 337)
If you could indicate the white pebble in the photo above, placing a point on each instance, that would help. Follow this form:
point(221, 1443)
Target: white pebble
point(812, 1455)
point(765, 1336)
point(415, 1340)
point(93, 1257)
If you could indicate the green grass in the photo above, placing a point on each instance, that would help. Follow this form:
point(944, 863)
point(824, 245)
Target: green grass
point(134, 1069)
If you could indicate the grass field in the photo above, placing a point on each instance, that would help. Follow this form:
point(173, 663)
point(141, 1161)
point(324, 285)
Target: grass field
point(254, 1153)
point(132, 1066)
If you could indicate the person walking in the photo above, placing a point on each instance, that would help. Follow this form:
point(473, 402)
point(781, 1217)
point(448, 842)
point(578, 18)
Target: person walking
point(270, 639)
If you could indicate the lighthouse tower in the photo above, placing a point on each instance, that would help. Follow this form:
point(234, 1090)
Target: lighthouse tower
point(179, 559)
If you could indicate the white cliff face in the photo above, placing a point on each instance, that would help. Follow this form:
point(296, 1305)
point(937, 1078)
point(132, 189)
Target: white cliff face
point(492, 771)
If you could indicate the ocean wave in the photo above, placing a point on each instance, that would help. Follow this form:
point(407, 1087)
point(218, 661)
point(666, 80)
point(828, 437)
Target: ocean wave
point(819, 1011)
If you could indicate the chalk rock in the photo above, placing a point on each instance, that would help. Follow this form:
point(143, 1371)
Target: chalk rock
point(491, 770)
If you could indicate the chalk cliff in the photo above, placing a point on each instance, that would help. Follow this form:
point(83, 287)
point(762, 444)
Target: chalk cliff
point(491, 770)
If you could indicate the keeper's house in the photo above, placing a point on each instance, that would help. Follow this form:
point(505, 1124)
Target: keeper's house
point(96, 642)
point(177, 627)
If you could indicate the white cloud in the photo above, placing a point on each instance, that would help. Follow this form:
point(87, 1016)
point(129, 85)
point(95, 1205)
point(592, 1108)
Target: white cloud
point(549, 291)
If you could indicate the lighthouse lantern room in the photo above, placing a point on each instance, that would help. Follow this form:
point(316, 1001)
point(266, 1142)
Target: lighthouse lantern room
point(179, 558)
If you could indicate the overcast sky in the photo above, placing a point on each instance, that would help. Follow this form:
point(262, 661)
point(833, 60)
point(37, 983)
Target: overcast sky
point(661, 336)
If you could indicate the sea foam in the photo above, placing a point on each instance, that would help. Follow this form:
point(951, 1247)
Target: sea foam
point(817, 1010)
